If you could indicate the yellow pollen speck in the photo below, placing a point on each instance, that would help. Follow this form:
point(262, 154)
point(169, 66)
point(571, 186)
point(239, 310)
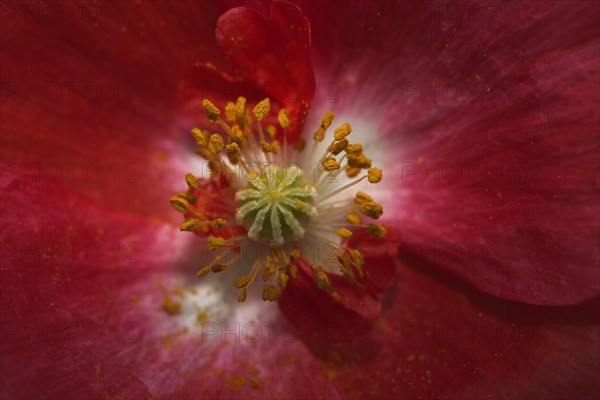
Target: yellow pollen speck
point(344, 233)
point(190, 225)
point(179, 204)
point(354, 219)
point(219, 223)
point(376, 230)
point(343, 131)
point(262, 109)
point(362, 197)
point(216, 242)
point(374, 175)
point(212, 112)
point(171, 307)
point(371, 209)
point(266, 147)
point(331, 165)
point(215, 144)
point(284, 118)
point(192, 181)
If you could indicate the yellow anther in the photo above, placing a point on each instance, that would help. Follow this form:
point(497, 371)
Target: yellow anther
point(190, 198)
point(371, 209)
point(240, 107)
point(204, 271)
point(352, 172)
point(358, 161)
point(192, 181)
point(200, 136)
point(355, 148)
point(230, 112)
point(293, 270)
point(374, 175)
point(343, 131)
point(212, 112)
point(321, 279)
point(376, 230)
point(319, 135)
point(283, 279)
point(238, 132)
point(331, 165)
point(215, 144)
point(218, 267)
point(362, 197)
point(344, 233)
point(262, 109)
point(284, 118)
point(180, 204)
point(357, 258)
point(266, 147)
point(218, 223)
point(242, 297)
point(190, 225)
point(271, 131)
point(233, 149)
point(243, 281)
point(337, 147)
point(354, 219)
point(216, 242)
point(327, 120)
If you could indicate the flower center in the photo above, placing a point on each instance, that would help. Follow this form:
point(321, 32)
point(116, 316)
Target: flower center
point(276, 205)
point(259, 193)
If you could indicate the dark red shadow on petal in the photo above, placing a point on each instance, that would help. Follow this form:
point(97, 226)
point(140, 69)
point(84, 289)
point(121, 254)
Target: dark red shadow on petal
point(319, 315)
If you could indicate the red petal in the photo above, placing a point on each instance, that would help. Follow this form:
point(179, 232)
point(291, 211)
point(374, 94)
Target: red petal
point(89, 91)
point(81, 295)
point(499, 104)
point(320, 315)
point(274, 52)
point(443, 339)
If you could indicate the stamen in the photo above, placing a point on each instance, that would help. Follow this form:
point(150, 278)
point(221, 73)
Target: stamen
point(375, 175)
point(376, 230)
point(276, 208)
point(212, 112)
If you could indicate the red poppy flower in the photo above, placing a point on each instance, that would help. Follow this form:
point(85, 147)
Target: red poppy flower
point(483, 118)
